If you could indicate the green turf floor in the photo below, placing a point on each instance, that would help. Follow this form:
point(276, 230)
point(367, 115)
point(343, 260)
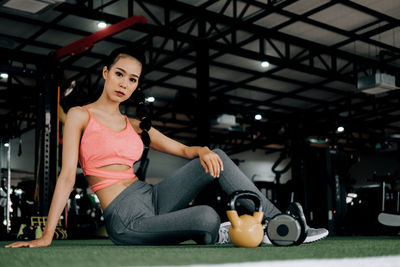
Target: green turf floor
point(103, 253)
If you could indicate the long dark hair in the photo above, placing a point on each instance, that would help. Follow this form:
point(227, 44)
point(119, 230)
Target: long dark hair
point(137, 52)
point(142, 112)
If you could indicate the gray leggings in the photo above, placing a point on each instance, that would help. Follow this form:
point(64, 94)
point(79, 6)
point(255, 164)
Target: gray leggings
point(158, 214)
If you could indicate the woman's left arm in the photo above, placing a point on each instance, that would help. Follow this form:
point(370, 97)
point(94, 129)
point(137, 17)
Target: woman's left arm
point(210, 160)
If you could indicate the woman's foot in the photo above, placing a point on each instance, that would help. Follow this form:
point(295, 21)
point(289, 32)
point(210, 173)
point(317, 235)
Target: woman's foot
point(223, 234)
point(295, 209)
point(312, 234)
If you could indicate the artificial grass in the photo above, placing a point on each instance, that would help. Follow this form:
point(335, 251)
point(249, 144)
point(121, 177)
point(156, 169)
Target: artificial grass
point(102, 252)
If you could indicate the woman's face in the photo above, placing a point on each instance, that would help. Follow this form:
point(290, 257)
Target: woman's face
point(121, 80)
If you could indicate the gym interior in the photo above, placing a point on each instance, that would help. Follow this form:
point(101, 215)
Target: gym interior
point(303, 95)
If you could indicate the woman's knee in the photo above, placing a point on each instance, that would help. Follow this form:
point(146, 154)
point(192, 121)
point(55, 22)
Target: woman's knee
point(221, 154)
point(207, 217)
point(208, 222)
point(219, 151)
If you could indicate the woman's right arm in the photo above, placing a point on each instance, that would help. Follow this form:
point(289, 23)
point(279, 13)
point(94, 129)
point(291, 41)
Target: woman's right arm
point(74, 124)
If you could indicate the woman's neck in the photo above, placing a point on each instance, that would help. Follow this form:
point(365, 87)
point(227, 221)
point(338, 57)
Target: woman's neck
point(109, 107)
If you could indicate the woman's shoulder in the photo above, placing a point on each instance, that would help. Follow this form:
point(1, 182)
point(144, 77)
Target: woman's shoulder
point(78, 114)
point(78, 111)
point(135, 124)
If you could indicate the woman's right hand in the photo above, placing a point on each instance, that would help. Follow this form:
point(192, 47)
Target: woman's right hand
point(41, 242)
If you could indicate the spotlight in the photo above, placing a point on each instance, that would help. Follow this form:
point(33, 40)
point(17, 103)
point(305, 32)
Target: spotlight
point(69, 90)
point(101, 25)
point(340, 129)
point(150, 99)
point(7, 145)
point(258, 117)
point(4, 75)
point(265, 64)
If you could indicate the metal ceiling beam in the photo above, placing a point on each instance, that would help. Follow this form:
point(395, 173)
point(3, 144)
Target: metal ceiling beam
point(279, 62)
point(255, 75)
point(304, 15)
point(235, 24)
point(32, 38)
point(61, 28)
point(185, 42)
point(283, 62)
point(368, 11)
point(369, 100)
point(368, 34)
point(20, 56)
point(242, 84)
point(348, 34)
point(32, 42)
point(353, 81)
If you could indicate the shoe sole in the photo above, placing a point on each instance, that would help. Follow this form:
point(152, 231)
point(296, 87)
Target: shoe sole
point(308, 240)
point(297, 210)
point(312, 239)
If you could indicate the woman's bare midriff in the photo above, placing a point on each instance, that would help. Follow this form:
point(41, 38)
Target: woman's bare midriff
point(106, 195)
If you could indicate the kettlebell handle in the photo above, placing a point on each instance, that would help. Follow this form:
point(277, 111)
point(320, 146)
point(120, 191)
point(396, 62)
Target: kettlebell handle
point(244, 194)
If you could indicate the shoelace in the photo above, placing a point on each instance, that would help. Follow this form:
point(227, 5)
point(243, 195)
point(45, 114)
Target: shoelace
point(266, 240)
point(223, 236)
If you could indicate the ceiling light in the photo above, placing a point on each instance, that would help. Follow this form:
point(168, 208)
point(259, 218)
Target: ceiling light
point(101, 25)
point(258, 117)
point(69, 90)
point(150, 99)
point(225, 121)
point(7, 145)
point(340, 129)
point(4, 75)
point(265, 64)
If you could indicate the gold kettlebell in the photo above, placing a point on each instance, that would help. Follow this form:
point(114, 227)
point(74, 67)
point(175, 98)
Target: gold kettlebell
point(245, 230)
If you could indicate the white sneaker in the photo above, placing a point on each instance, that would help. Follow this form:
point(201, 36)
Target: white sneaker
point(315, 234)
point(266, 240)
point(223, 234)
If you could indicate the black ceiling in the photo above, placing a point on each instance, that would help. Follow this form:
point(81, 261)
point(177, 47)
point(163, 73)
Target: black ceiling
point(205, 61)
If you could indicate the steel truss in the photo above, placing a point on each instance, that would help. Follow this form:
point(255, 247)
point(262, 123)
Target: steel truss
point(178, 28)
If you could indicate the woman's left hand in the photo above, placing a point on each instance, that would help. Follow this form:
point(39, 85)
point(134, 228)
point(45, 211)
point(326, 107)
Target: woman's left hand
point(211, 162)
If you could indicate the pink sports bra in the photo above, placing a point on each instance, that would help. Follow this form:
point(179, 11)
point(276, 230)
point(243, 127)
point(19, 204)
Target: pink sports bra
point(101, 146)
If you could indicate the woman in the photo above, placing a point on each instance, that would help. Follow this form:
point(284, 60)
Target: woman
point(106, 143)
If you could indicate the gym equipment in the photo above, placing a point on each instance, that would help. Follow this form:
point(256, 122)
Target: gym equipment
point(321, 182)
point(142, 111)
point(389, 219)
point(36, 227)
point(246, 230)
point(286, 229)
point(387, 216)
point(47, 164)
point(6, 187)
point(84, 211)
point(278, 174)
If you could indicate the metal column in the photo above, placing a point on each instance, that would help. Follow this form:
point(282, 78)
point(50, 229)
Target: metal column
point(203, 90)
point(7, 209)
point(49, 145)
point(8, 218)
